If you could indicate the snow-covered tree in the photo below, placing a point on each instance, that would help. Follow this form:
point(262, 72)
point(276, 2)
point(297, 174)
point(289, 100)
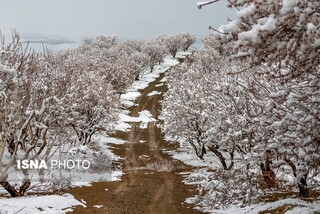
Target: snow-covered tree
point(102, 42)
point(91, 94)
point(286, 32)
point(284, 37)
point(187, 40)
point(31, 110)
point(207, 107)
point(155, 51)
point(171, 43)
point(47, 100)
point(141, 60)
point(175, 43)
point(250, 119)
point(13, 88)
point(135, 45)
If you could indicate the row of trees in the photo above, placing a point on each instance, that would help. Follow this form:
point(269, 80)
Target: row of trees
point(178, 42)
point(46, 100)
point(258, 115)
point(52, 99)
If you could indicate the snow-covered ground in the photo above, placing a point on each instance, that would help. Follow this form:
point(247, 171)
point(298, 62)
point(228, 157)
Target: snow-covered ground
point(201, 176)
point(187, 155)
point(300, 207)
point(49, 204)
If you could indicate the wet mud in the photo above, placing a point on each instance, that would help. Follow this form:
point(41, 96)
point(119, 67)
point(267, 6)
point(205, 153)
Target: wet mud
point(151, 183)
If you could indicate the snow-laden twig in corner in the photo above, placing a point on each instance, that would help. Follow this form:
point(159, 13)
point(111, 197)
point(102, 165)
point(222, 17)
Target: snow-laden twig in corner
point(203, 3)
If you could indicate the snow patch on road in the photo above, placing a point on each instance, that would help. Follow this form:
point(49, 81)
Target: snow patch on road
point(128, 99)
point(182, 54)
point(144, 118)
point(112, 140)
point(98, 206)
point(132, 93)
point(129, 96)
point(154, 93)
point(160, 84)
point(123, 126)
point(163, 79)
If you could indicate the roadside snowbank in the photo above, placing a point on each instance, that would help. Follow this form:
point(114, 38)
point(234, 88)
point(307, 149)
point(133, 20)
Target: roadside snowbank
point(300, 206)
point(188, 157)
point(39, 204)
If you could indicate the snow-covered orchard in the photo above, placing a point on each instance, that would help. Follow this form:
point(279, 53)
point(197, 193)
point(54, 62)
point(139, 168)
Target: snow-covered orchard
point(248, 100)
point(54, 104)
point(244, 107)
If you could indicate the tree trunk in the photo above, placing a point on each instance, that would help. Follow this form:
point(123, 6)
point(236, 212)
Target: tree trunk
point(11, 190)
point(222, 159)
point(90, 136)
point(268, 174)
point(303, 187)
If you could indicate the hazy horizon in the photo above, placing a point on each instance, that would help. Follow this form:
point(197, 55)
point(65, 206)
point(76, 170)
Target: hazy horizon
point(62, 23)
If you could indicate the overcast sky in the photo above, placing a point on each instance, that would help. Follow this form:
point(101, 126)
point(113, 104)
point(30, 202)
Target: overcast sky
point(60, 20)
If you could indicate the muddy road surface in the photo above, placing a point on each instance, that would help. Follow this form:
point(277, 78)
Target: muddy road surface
point(151, 183)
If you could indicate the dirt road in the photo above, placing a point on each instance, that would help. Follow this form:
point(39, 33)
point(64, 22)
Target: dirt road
point(151, 183)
